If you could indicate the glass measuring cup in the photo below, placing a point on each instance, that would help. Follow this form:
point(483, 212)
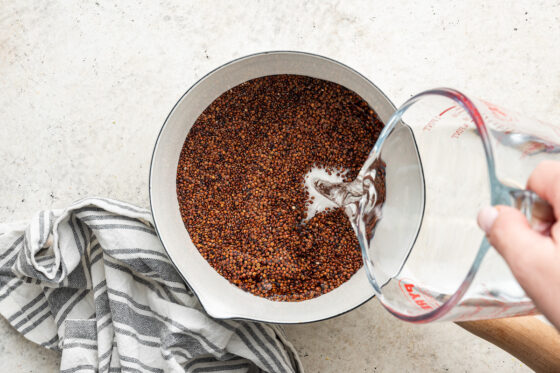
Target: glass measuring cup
point(444, 157)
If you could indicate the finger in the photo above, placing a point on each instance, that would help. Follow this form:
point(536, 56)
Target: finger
point(541, 226)
point(542, 211)
point(524, 249)
point(545, 181)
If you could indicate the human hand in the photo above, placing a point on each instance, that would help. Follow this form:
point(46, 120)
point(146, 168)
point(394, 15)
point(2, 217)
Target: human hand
point(533, 254)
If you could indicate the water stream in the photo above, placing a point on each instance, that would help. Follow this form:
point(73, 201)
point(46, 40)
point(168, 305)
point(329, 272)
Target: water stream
point(361, 198)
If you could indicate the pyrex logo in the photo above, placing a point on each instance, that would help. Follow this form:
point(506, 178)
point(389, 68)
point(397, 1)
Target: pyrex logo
point(417, 297)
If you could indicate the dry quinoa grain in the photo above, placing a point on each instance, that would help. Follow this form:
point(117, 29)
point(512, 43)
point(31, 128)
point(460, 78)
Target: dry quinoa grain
point(240, 184)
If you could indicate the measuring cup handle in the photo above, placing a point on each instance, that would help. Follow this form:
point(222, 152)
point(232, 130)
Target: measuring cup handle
point(532, 206)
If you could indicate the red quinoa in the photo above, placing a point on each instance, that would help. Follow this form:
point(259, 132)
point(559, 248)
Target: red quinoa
point(240, 184)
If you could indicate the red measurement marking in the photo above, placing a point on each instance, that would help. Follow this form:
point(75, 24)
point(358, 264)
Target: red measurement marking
point(498, 112)
point(459, 131)
point(417, 298)
point(446, 110)
point(532, 148)
point(431, 124)
point(470, 315)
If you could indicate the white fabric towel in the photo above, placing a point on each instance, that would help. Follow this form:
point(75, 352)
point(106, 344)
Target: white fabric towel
point(94, 281)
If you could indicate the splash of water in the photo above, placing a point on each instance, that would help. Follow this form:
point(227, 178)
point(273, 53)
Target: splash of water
point(361, 198)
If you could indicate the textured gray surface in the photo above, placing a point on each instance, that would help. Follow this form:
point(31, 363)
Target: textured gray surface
point(86, 85)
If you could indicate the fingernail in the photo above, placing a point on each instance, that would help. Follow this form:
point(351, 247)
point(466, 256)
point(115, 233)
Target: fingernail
point(486, 217)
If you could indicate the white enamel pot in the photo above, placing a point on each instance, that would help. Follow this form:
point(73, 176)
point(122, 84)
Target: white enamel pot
point(219, 297)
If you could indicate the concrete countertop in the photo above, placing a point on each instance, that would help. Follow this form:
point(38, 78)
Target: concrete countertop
point(86, 85)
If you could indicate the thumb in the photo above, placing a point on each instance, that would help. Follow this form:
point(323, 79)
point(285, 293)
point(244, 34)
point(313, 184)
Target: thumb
point(510, 233)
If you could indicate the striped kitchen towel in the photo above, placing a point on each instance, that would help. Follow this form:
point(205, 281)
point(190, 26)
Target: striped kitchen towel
point(94, 281)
